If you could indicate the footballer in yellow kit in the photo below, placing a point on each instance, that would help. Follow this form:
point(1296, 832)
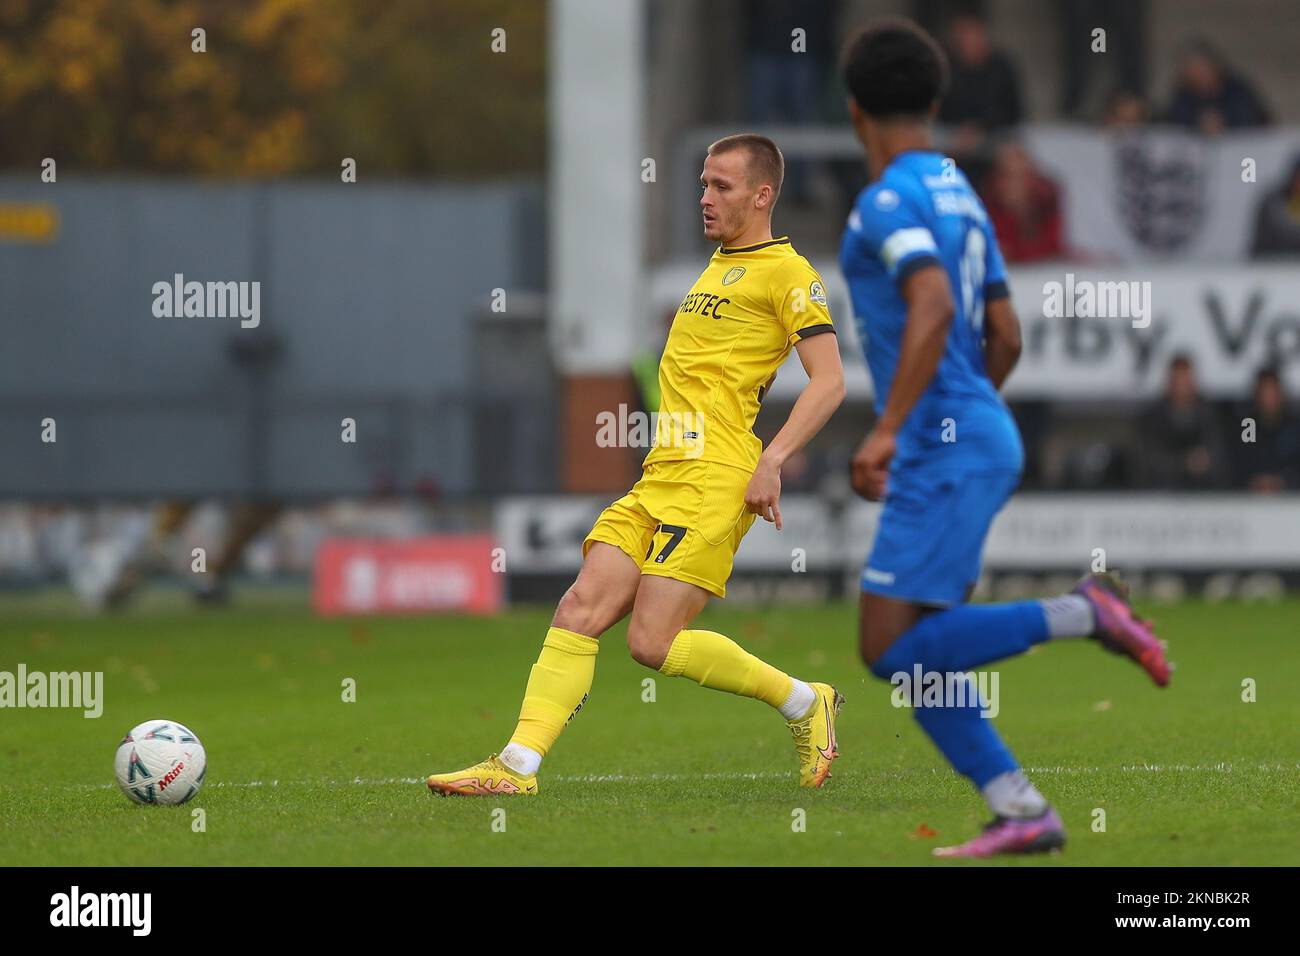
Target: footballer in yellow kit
point(686, 516)
point(663, 549)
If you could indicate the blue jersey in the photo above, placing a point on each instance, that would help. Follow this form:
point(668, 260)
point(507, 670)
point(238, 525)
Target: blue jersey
point(922, 211)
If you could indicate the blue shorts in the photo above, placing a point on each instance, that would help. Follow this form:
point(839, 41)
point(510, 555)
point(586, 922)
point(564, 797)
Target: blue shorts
point(931, 535)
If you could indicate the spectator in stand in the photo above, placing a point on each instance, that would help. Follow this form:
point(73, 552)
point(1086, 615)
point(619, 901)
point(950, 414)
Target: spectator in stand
point(934, 16)
point(1025, 207)
point(1126, 110)
point(1272, 461)
point(1277, 221)
point(983, 95)
point(1125, 59)
point(1180, 436)
point(782, 85)
point(1210, 96)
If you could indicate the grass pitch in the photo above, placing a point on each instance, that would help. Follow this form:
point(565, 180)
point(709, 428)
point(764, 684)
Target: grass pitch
point(1188, 775)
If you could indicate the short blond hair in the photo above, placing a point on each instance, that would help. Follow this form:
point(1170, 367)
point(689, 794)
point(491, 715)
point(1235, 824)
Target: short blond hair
point(766, 164)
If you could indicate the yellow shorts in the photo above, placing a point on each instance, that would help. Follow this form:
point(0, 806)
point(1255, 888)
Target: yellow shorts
point(682, 520)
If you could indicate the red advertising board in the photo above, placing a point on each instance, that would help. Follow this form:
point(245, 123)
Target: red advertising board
point(407, 576)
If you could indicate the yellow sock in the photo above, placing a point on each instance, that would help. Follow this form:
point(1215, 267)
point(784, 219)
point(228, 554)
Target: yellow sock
point(712, 660)
point(557, 688)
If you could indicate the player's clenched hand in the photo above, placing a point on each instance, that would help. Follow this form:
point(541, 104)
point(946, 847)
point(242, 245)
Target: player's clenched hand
point(764, 492)
point(871, 464)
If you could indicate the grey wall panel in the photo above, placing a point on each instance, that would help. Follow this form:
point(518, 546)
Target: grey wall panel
point(369, 291)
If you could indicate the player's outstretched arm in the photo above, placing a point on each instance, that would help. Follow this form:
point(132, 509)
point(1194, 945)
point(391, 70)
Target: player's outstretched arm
point(1001, 340)
point(930, 310)
point(820, 355)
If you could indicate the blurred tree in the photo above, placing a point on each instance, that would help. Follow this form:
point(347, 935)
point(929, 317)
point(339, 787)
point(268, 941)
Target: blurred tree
point(407, 87)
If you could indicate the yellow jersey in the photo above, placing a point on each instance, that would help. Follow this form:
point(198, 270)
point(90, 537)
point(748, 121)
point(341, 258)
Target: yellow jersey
point(731, 333)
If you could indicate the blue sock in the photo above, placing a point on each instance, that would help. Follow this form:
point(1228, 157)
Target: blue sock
point(969, 741)
point(966, 636)
point(959, 639)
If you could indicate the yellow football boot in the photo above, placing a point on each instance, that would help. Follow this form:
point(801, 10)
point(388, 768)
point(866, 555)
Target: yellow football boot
point(814, 736)
point(491, 778)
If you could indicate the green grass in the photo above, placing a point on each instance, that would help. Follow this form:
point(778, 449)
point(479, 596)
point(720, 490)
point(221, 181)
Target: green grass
point(1189, 775)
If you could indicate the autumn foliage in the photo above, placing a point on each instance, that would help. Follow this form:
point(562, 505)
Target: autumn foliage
point(285, 87)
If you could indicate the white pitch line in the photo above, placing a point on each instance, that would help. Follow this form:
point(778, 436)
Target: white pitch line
point(1221, 767)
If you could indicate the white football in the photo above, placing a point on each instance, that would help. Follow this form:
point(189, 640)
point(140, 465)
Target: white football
point(160, 761)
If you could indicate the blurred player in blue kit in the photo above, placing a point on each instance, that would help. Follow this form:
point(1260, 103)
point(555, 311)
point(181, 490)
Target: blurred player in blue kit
point(929, 293)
